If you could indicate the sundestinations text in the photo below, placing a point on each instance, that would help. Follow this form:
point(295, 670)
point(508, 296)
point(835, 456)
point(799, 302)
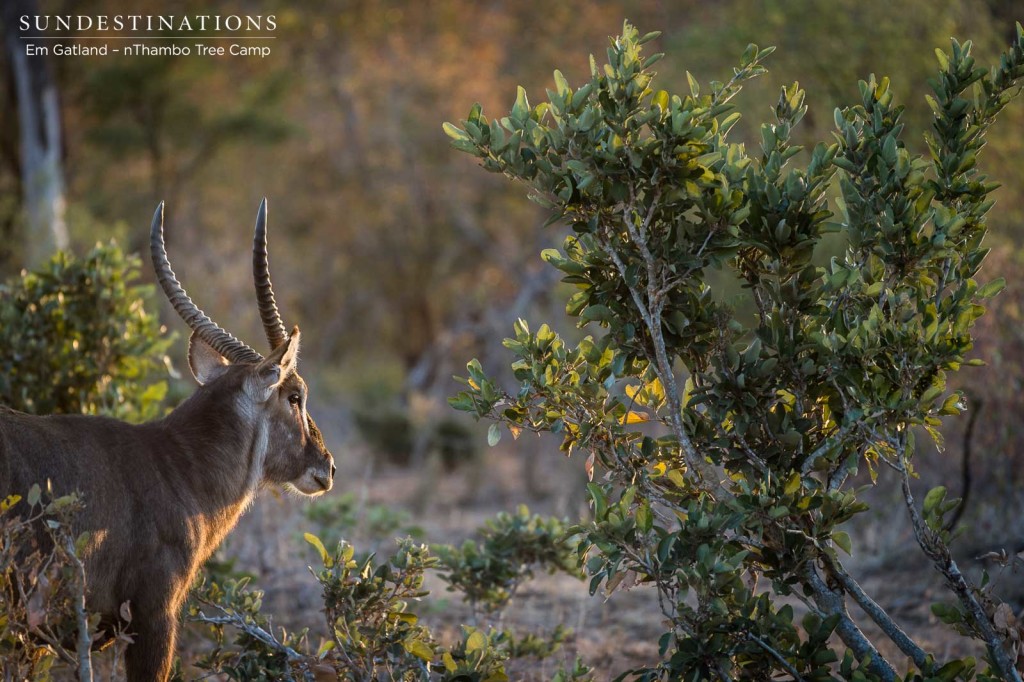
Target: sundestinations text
point(146, 22)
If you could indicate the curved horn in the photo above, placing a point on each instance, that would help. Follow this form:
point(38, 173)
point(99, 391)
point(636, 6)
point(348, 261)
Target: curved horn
point(205, 328)
point(272, 324)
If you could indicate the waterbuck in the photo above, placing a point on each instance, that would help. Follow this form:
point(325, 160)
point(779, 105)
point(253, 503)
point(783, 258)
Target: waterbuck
point(159, 497)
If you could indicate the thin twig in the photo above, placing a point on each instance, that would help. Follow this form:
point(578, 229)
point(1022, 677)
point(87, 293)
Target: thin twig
point(776, 655)
point(84, 642)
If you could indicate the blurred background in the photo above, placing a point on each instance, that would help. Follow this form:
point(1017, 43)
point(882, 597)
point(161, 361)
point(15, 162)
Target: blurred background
point(401, 259)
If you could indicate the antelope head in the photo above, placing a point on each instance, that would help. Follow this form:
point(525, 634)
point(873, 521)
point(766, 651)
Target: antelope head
point(267, 393)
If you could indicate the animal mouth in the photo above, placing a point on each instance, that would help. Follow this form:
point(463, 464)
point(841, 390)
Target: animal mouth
point(312, 483)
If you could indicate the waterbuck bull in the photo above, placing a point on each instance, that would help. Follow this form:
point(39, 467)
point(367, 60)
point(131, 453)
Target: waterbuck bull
point(160, 497)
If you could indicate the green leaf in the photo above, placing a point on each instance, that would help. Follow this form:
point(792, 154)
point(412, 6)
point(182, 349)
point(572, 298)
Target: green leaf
point(793, 483)
point(454, 132)
point(648, 37)
point(947, 613)
point(934, 498)
point(992, 288)
point(661, 98)
point(842, 540)
point(644, 518)
point(561, 85)
point(493, 434)
point(325, 648)
point(597, 313)
point(952, 405)
point(694, 85)
point(929, 396)
point(599, 498)
point(521, 109)
point(81, 542)
point(34, 493)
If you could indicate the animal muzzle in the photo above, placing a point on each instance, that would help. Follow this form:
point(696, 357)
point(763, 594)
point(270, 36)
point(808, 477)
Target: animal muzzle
point(316, 479)
point(325, 479)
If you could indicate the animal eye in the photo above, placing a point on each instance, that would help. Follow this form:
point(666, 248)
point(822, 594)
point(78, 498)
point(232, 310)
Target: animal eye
point(295, 399)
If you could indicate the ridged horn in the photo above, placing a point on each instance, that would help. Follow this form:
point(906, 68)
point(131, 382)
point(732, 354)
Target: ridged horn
point(205, 328)
point(272, 324)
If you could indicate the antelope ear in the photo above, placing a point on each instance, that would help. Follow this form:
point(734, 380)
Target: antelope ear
point(206, 363)
point(279, 364)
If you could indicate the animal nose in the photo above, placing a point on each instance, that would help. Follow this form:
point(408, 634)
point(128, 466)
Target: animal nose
point(324, 481)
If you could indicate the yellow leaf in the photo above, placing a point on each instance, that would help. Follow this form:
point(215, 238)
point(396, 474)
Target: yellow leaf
point(658, 469)
point(449, 662)
point(631, 391)
point(632, 417)
point(475, 642)
point(515, 431)
point(315, 541)
point(419, 649)
point(656, 389)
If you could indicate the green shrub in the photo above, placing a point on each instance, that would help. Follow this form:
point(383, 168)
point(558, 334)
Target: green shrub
point(77, 338)
point(488, 573)
point(752, 424)
point(373, 629)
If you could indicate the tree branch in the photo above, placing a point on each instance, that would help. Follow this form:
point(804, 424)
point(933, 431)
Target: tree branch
point(936, 550)
point(879, 616)
point(832, 603)
point(258, 633)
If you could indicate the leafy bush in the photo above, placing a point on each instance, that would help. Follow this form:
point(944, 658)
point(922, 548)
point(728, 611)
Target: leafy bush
point(43, 620)
point(740, 467)
point(373, 631)
point(256, 652)
point(77, 339)
point(512, 546)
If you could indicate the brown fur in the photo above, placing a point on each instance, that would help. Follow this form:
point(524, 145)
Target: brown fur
point(160, 497)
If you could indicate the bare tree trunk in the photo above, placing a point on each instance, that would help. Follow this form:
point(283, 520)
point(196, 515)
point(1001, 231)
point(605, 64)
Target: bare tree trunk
point(39, 120)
